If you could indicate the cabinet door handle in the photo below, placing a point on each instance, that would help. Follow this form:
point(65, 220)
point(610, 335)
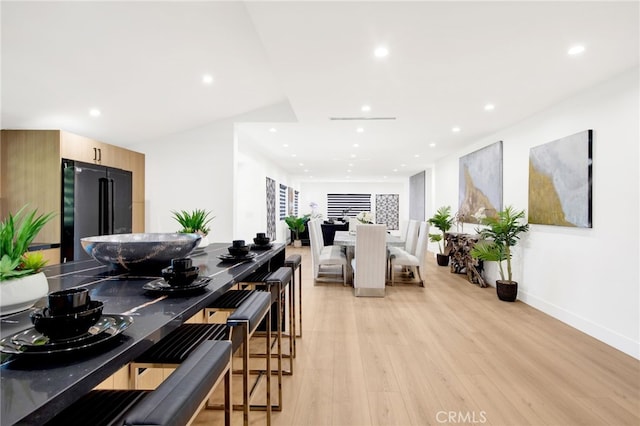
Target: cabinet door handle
point(99, 154)
point(95, 154)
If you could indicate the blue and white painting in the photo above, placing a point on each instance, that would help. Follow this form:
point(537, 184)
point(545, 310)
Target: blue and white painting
point(560, 181)
point(480, 183)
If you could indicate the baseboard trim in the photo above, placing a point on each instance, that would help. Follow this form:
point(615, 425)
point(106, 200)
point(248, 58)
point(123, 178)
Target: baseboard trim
point(597, 331)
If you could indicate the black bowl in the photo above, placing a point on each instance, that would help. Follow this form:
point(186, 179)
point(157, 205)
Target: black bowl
point(239, 250)
point(261, 241)
point(58, 327)
point(180, 278)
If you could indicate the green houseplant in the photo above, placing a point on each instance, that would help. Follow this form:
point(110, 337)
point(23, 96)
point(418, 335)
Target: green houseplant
point(195, 222)
point(21, 281)
point(501, 233)
point(442, 220)
point(297, 225)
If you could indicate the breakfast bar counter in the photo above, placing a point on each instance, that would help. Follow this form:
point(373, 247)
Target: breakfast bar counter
point(36, 386)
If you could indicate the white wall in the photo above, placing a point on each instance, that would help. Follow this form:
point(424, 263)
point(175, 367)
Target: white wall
point(251, 200)
point(317, 192)
point(587, 278)
point(190, 170)
point(198, 169)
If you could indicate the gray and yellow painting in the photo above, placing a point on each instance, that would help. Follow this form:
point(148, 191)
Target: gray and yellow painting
point(480, 183)
point(560, 182)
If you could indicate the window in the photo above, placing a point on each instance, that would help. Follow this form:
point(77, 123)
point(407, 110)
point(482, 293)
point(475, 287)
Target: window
point(341, 205)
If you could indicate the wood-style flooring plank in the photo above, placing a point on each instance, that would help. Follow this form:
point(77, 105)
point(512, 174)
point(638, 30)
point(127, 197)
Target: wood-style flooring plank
point(420, 355)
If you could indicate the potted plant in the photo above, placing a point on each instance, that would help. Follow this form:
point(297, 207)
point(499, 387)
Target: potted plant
point(21, 281)
point(501, 233)
point(195, 222)
point(442, 220)
point(297, 225)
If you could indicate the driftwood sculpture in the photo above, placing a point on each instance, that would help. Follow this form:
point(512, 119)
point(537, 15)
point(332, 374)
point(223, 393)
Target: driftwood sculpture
point(458, 248)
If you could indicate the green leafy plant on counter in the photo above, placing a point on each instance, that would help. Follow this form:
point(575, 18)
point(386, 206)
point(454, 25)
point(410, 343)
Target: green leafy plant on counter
point(194, 222)
point(16, 233)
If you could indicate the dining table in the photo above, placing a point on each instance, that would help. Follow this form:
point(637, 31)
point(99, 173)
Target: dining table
point(37, 385)
point(348, 239)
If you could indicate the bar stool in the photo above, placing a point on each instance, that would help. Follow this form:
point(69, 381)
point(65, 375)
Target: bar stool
point(276, 282)
point(177, 400)
point(172, 350)
point(294, 261)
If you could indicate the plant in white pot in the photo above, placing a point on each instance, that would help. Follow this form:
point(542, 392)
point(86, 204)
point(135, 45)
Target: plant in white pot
point(195, 222)
point(501, 233)
point(442, 220)
point(21, 281)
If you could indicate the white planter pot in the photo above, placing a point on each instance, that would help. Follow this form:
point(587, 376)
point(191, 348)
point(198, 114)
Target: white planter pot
point(204, 241)
point(297, 243)
point(22, 293)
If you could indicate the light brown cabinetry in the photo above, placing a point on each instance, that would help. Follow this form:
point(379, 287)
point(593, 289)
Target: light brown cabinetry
point(30, 172)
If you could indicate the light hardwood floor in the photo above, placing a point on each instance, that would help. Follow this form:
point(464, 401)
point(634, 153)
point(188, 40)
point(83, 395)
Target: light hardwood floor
point(448, 353)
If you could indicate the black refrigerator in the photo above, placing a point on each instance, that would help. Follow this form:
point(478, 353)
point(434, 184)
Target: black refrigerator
point(96, 200)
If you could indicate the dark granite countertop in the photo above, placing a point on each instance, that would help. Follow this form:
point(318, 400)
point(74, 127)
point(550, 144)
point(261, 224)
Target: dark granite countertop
point(35, 388)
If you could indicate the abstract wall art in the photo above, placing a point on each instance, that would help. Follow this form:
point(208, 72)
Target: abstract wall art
point(271, 208)
point(387, 206)
point(560, 181)
point(480, 183)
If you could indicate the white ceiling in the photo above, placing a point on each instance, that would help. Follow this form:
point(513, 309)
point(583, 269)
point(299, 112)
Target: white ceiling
point(141, 64)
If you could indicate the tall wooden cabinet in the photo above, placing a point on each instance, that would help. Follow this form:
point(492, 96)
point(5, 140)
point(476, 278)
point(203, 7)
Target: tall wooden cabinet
point(30, 172)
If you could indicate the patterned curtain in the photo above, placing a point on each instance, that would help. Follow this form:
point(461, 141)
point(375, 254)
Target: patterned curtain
point(387, 210)
point(271, 208)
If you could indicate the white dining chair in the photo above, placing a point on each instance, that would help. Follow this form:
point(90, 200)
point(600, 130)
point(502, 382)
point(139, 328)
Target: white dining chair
point(415, 261)
point(370, 260)
point(324, 257)
point(410, 241)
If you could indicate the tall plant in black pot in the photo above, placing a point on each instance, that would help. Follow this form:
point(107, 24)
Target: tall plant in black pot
point(442, 220)
point(501, 233)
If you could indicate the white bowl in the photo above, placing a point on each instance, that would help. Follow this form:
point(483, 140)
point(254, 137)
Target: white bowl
point(148, 251)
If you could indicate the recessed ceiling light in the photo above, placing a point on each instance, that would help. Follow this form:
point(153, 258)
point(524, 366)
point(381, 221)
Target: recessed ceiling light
point(293, 155)
point(416, 155)
point(384, 177)
point(381, 52)
point(359, 130)
point(301, 164)
point(349, 171)
point(395, 170)
point(207, 79)
point(273, 130)
point(576, 50)
point(350, 164)
point(455, 129)
point(365, 108)
point(306, 170)
point(353, 156)
point(94, 112)
point(403, 165)
point(432, 144)
point(489, 107)
point(285, 145)
point(355, 145)
point(310, 177)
